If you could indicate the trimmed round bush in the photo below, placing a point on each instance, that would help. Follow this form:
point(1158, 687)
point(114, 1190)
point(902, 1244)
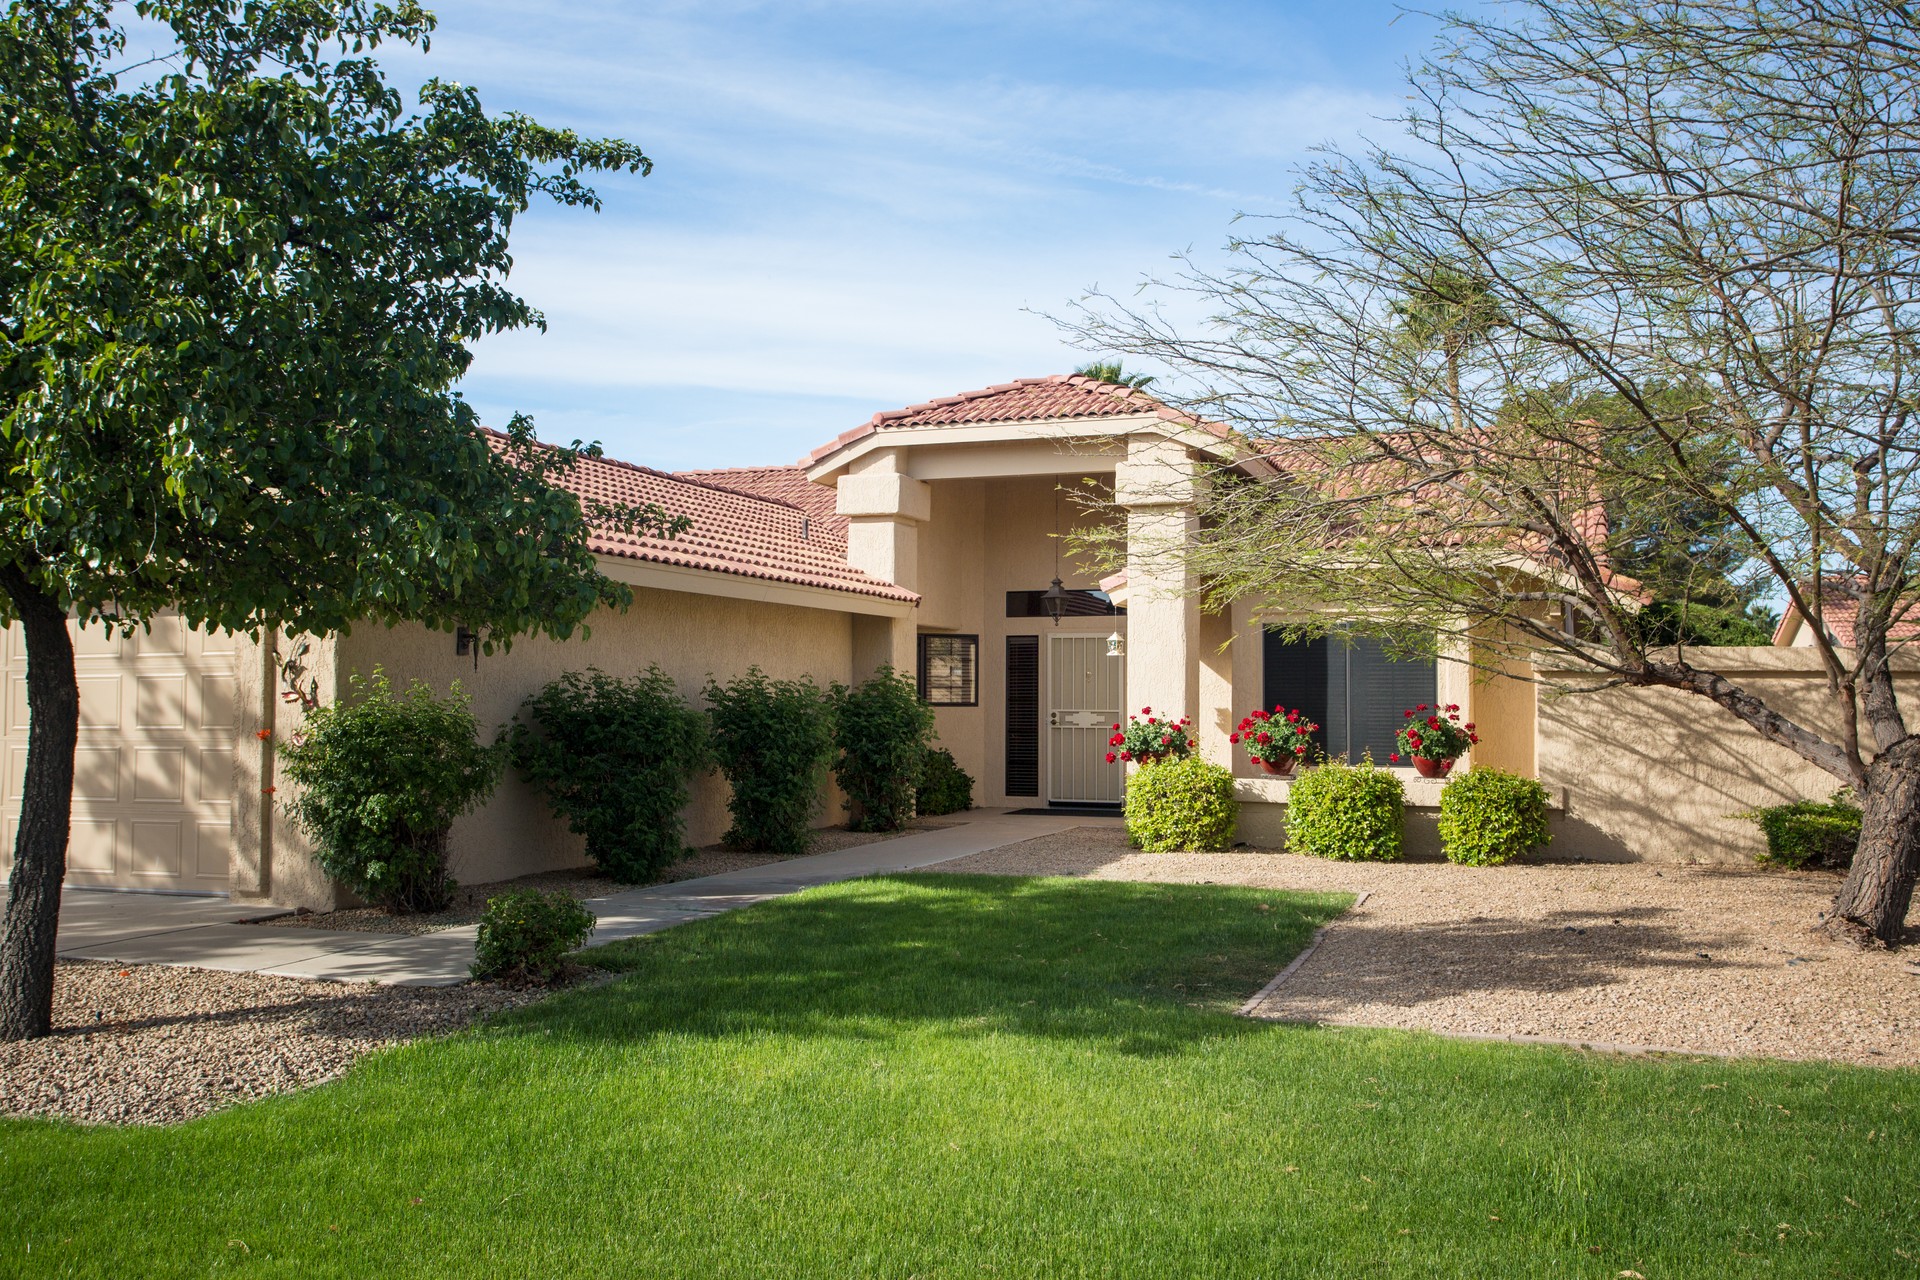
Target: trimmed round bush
point(882, 731)
point(526, 935)
point(944, 786)
point(1183, 804)
point(1345, 811)
point(381, 779)
point(616, 758)
point(1489, 817)
point(1809, 833)
point(773, 739)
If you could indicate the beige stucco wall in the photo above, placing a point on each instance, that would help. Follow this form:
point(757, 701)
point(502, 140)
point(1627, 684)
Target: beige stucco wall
point(1656, 774)
point(690, 636)
point(272, 859)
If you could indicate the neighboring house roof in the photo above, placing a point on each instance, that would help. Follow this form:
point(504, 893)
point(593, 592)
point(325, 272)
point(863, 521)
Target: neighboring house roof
point(1394, 469)
point(1064, 396)
point(783, 484)
point(751, 535)
point(1838, 604)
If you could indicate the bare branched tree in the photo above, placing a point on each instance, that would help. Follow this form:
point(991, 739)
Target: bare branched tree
point(1706, 214)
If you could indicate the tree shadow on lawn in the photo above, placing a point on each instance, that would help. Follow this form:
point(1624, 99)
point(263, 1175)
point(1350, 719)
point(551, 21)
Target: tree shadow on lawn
point(1408, 965)
point(970, 956)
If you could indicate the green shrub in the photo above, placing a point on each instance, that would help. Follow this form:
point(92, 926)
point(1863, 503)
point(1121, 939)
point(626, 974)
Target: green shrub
point(616, 758)
point(944, 786)
point(773, 739)
point(1181, 804)
point(1346, 811)
point(882, 730)
point(381, 779)
point(1810, 833)
point(1489, 817)
point(525, 935)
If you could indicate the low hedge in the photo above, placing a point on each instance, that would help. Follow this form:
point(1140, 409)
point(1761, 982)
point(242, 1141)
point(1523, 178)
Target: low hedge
point(616, 758)
point(881, 732)
point(526, 935)
point(944, 786)
point(382, 776)
point(773, 739)
point(1181, 804)
point(1809, 833)
point(1345, 811)
point(1489, 817)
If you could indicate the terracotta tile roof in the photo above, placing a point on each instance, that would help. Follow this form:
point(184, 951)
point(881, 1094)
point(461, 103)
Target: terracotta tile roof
point(1838, 603)
point(783, 484)
point(751, 535)
point(1064, 396)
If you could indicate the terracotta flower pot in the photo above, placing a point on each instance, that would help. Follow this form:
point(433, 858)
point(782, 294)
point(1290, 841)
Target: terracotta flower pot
point(1282, 768)
point(1432, 768)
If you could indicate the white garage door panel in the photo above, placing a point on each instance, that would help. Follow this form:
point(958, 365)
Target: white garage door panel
point(153, 775)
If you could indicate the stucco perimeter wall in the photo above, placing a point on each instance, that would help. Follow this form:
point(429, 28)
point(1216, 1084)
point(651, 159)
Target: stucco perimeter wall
point(1656, 774)
point(689, 636)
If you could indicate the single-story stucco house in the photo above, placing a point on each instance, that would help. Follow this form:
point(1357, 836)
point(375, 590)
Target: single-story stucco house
point(925, 538)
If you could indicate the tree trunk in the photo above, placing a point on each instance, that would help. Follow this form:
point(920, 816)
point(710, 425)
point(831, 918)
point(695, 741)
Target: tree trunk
point(1872, 904)
point(46, 802)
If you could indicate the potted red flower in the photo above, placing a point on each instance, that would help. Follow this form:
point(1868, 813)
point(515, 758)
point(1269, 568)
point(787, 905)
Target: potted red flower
point(1276, 740)
point(1432, 739)
point(1151, 739)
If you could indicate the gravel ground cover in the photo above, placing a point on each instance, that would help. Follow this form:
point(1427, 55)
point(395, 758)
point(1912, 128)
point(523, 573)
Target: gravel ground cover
point(470, 901)
point(1705, 958)
point(154, 1044)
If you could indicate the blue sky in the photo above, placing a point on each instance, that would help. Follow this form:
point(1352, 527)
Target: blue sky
point(856, 206)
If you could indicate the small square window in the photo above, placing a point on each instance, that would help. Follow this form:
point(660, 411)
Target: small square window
point(950, 670)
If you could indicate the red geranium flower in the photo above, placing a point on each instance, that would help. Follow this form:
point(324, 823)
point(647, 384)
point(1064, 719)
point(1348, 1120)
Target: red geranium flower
point(1264, 737)
point(1126, 755)
point(1395, 757)
point(1111, 757)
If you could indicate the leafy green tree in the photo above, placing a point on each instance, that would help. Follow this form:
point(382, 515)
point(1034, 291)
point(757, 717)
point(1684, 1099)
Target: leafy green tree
point(237, 285)
point(1111, 371)
point(1690, 552)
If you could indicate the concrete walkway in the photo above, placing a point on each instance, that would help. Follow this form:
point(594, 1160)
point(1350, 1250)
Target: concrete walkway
point(204, 933)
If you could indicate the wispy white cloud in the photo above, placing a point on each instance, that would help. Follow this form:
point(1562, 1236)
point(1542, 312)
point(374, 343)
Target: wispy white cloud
point(862, 203)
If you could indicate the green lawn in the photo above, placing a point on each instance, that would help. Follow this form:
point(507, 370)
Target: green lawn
point(963, 1076)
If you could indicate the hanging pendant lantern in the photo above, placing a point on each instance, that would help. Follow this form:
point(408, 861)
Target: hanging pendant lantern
point(1054, 601)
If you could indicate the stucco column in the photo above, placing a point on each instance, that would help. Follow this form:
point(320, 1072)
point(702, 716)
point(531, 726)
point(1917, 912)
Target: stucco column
point(885, 508)
point(1156, 485)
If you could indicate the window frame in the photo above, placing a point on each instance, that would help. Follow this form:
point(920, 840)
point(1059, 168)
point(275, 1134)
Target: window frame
point(972, 641)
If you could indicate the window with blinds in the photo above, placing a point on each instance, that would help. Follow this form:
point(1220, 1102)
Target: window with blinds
point(1350, 687)
point(1023, 715)
point(950, 670)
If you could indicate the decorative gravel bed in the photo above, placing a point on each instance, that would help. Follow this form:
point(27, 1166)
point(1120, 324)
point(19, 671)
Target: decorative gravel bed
point(153, 1044)
point(1708, 958)
point(470, 901)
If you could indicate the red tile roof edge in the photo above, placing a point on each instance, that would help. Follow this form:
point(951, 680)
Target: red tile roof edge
point(733, 562)
point(1148, 405)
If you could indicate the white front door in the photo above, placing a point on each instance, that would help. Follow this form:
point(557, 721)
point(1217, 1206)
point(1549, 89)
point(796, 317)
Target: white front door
point(1086, 691)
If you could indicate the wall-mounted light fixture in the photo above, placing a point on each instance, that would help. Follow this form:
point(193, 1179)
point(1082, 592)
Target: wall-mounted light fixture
point(1116, 645)
point(467, 641)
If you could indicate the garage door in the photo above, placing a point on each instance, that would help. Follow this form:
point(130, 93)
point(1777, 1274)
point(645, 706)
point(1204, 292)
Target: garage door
point(153, 775)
